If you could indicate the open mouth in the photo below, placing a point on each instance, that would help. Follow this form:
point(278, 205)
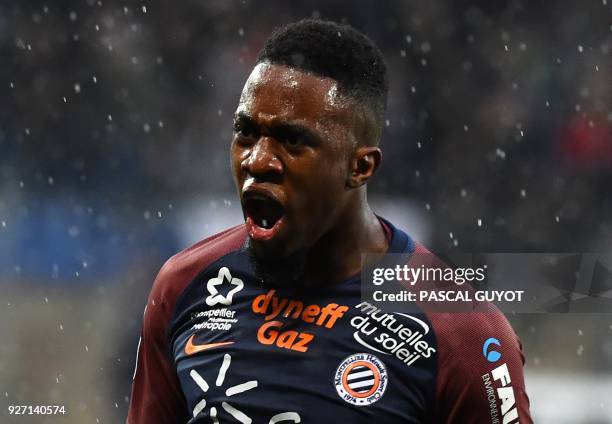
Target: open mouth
point(264, 215)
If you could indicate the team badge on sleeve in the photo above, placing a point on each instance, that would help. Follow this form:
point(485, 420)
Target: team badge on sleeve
point(361, 379)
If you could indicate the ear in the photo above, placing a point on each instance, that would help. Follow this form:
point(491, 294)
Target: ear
point(363, 164)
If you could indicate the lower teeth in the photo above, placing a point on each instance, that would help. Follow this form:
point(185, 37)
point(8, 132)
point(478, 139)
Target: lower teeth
point(264, 222)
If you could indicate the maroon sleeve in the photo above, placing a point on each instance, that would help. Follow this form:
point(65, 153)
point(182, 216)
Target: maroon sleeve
point(157, 397)
point(480, 369)
point(480, 363)
point(156, 393)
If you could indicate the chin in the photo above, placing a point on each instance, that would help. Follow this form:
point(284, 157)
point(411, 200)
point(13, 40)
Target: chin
point(274, 267)
point(269, 250)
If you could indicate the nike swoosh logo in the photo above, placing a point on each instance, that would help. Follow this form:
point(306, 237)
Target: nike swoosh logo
point(191, 349)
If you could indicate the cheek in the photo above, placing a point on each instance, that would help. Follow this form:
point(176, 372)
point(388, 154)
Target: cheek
point(333, 166)
point(236, 157)
point(323, 184)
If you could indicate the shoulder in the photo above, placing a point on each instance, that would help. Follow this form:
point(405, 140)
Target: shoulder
point(480, 369)
point(182, 268)
point(480, 364)
point(462, 337)
point(156, 392)
point(462, 330)
point(187, 263)
point(466, 331)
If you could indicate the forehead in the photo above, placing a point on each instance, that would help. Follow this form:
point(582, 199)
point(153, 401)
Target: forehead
point(277, 92)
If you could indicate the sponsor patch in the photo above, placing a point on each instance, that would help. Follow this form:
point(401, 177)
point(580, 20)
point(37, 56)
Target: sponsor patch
point(215, 319)
point(224, 279)
point(280, 313)
point(498, 386)
point(361, 379)
point(396, 334)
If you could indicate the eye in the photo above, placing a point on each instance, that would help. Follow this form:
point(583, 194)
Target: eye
point(243, 129)
point(295, 140)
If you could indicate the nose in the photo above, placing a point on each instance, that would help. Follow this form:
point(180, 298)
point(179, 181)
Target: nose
point(262, 162)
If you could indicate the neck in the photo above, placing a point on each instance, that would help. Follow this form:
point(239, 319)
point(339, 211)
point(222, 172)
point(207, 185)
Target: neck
point(337, 255)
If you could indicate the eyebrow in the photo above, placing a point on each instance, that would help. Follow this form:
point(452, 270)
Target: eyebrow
point(282, 129)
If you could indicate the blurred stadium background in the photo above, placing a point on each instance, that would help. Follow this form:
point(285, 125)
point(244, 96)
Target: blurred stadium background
point(115, 121)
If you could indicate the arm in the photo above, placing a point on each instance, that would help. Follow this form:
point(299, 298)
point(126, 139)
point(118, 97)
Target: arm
point(480, 370)
point(157, 396)
point(156, 392)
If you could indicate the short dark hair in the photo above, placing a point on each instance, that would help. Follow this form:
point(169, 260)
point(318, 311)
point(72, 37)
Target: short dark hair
point(335, 51)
